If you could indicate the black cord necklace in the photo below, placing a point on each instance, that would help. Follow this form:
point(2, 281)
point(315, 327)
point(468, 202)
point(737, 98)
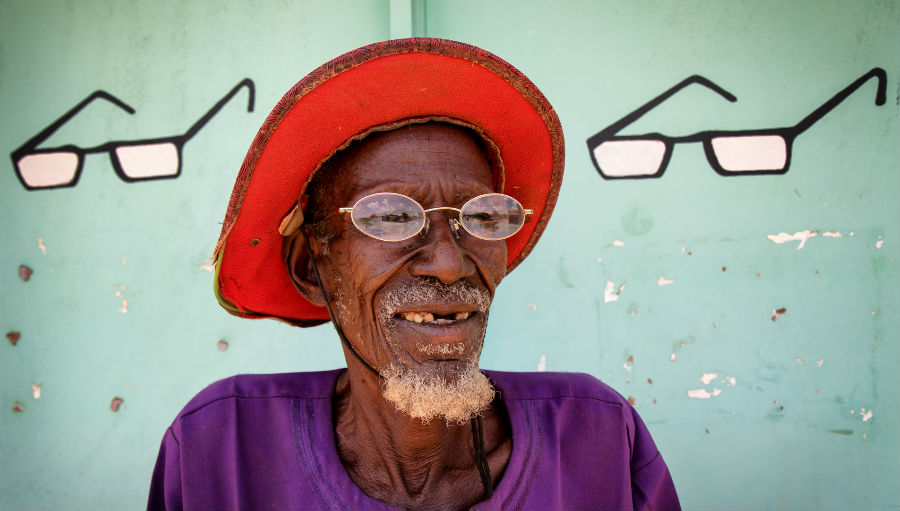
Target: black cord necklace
point(484, 470)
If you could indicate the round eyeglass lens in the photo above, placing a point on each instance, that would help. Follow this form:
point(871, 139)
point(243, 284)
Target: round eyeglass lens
point(388, 216)
point(492, 216)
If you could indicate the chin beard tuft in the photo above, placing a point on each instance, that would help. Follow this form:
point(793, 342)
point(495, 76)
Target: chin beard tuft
point(427, 398)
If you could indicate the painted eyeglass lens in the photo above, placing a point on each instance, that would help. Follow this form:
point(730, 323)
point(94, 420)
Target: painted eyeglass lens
point(147, 161)
point(388, 216)
point(45, 170)
point(492, 216)
point(750, 153)
point(630, 158)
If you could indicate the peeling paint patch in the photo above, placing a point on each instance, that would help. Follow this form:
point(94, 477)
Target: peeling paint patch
point(820, 362)
point(673, 357)
point(866, 414)
point(610, 293)
point(124, 307)
point(42, 246)
point(631, 401)
point(731, 381)
point(664, 281)
point(222, 345)
point(618, 243)
point(784, 237)
point(702, 393)
point(13, 337)
point(799, 361)
point(532, 306)
point(116, 403)
point(17, 407)
point(36, 390)
point(778, 312)
point(879, 243)
point(832, 234)
point(708, 377)
point(650, 381)
point(25, 272)
point(542, 364)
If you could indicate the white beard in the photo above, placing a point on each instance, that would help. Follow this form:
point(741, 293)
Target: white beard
point(428, 398)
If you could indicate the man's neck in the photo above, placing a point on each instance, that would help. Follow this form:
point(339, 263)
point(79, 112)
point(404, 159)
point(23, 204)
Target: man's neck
point(402, 461)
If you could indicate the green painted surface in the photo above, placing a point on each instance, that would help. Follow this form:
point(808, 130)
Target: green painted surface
point(789, 433)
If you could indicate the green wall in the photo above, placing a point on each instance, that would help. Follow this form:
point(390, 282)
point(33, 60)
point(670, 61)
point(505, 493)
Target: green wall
point(802, 411)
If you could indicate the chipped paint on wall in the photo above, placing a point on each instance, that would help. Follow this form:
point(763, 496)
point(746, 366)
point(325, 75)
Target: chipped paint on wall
point(25, 272)
point(36, 390)
point(116, 403)
point(13, 337)
point(222, 345)
point(784, 237)
point(708, 377)
point(879, 243)
point(118, 294)
point(41, 245)
point(542, 364)
point(610, 293)
point(618, 243)
point(832, 234)
point(664, 281)
point(208, 266)
point(703, 393)
point(799, 361)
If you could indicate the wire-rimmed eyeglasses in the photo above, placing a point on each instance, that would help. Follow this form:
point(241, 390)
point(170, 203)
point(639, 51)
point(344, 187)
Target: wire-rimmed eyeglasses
point(729, 153)
point(133, 160)
point(389, 216)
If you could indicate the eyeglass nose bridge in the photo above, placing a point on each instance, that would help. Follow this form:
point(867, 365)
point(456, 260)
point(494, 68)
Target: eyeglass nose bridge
point(454, 222)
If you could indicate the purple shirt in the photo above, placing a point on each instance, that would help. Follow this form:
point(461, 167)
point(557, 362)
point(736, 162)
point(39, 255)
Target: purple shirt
point(267, 442)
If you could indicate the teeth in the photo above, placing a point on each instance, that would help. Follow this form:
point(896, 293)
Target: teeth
point(428, 317)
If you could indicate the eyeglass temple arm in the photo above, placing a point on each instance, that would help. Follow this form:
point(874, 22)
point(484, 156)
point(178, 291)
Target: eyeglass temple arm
point(818, 113)
point(527, 212)
point(246, 82)
point(64, 118)
point(615, 127)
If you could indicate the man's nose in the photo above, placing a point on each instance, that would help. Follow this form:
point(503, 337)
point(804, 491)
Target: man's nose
point(442, 256)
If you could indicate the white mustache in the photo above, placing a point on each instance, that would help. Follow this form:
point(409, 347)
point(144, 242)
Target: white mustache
point(427, 290)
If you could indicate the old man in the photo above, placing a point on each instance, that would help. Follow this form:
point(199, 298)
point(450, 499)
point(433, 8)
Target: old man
point(390, 191)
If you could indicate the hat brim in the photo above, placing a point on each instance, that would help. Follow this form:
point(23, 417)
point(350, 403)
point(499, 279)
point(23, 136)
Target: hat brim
point(379, 84)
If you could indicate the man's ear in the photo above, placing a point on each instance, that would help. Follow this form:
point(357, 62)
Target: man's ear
point(299, 265)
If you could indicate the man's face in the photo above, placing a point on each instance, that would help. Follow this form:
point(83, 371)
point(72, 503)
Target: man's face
point(420, 305)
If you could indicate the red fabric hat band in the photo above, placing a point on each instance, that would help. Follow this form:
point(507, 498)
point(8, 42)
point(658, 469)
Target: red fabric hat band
point(376, 85)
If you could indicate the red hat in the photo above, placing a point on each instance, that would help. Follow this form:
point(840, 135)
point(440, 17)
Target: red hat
point(375, 88)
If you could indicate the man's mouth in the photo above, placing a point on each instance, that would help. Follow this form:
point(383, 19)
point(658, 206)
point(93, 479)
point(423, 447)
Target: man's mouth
point(434, 318)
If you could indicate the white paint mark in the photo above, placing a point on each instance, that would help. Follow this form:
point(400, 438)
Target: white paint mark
point(867, 414)
point(702, 393)
point(672, 357)
point(627, 366)
point(799, 361)
point(731, 381)
point(879, 244)
point(708, 377)
point(42, 246)
point(618, 243)
point(532, 306)
point(542, 364)
point(208, 266)
point(610, 293)
point(36, 390)
point(820, 362)
point(852, 233)
point(784, 237)
point(124, 308)
point(664, 281)
point(832, 234)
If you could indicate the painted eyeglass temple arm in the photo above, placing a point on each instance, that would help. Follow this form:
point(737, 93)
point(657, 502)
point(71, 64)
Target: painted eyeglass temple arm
point(615, 127)
point(64, 118)
point(818, 113)
point(251, 89)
